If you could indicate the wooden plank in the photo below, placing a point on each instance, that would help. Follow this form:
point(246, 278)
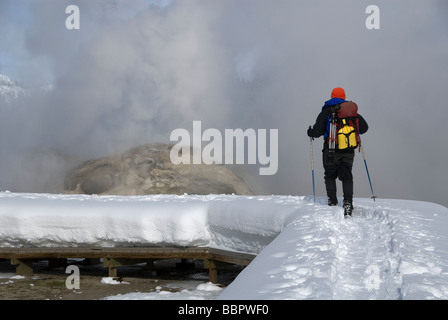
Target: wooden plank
point(125, 251)
point(117, 256)
point(147, 252)
point(239, 258)
point(101, 252)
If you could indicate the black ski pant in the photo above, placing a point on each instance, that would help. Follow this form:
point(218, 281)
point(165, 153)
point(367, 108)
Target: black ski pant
point(339, 165)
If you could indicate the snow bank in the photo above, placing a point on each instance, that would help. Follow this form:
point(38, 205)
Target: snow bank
point(248, 224)
point(237, 223)
point(32, 220)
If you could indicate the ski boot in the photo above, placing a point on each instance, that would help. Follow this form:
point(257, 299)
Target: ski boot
point(332, 201)
point(348, 209)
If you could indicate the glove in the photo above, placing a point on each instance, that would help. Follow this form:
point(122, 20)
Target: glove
point(310, 132)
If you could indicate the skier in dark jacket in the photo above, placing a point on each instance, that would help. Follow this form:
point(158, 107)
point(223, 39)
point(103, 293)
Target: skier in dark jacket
point(337, 164)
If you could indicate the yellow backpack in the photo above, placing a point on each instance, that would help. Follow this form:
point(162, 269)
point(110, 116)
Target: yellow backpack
point(347, 136)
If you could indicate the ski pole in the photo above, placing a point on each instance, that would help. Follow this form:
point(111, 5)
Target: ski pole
point(312, 168)
point(368, 175)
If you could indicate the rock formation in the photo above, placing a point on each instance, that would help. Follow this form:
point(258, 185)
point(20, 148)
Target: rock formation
point(148, 170)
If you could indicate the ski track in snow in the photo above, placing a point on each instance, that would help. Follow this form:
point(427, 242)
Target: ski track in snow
point(380, 253)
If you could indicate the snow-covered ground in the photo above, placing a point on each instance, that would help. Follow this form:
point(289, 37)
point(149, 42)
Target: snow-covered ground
point(390, 249)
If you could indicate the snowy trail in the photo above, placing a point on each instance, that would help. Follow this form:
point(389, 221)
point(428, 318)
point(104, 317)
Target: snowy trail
point(381, 253)
point(363, 257)
point(390, 249)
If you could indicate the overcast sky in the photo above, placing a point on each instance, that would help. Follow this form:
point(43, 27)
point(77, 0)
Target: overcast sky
point(138, 69)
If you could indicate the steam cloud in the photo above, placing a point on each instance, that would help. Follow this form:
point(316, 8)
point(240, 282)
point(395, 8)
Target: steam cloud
point(137, 70)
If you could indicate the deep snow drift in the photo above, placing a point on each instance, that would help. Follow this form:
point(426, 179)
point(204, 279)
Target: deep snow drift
point(390, 249)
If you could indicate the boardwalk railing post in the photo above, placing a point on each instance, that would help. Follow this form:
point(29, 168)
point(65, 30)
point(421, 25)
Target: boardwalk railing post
point(24, 267)
point(212, 270)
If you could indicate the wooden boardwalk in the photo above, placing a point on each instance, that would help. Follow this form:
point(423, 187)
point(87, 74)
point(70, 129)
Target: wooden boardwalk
point(113, 258)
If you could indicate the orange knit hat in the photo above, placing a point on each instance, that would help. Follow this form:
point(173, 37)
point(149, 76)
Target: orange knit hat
point(338, 93)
